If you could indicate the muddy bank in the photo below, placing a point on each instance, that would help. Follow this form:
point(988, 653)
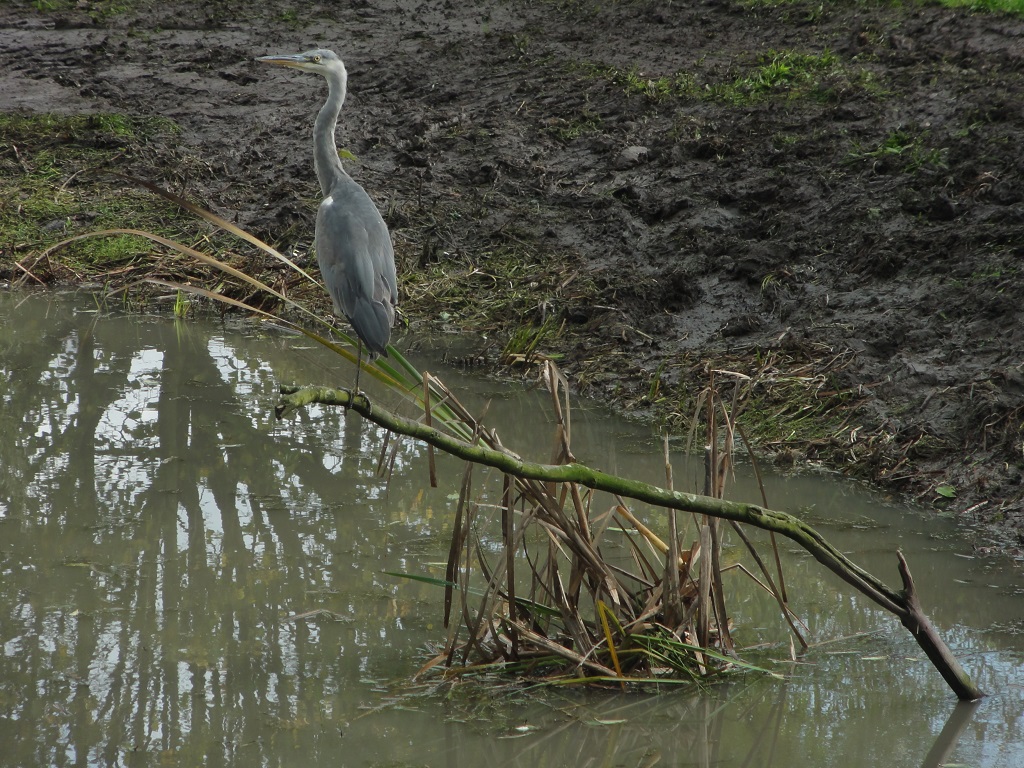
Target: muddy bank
point(829, 196)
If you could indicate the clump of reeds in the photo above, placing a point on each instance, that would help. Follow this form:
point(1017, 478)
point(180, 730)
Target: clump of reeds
point(557, 601)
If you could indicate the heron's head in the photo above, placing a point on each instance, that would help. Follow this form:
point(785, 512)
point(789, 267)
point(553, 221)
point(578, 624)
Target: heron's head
point(320, 61)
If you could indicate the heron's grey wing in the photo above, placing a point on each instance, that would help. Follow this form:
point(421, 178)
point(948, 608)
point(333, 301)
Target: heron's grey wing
point(349, 237)
point(382, 252)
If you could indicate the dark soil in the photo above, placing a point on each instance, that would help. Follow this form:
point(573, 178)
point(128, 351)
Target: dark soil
point(853, 225)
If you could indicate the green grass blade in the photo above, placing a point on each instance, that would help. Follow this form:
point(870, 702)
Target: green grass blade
point(222, 223)
point(435, 582)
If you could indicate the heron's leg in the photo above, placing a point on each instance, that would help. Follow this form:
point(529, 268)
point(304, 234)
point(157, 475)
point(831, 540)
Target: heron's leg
point(359, 361)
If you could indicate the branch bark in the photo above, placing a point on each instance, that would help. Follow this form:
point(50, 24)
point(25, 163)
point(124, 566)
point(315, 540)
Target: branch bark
point(903, 604)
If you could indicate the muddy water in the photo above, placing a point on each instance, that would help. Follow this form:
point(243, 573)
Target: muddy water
point(185, 581)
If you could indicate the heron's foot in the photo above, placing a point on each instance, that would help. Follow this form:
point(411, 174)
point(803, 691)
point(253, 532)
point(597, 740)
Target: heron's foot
point(356, 395)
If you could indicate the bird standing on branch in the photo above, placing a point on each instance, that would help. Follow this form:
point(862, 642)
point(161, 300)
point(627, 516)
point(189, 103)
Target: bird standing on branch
point(353, 245)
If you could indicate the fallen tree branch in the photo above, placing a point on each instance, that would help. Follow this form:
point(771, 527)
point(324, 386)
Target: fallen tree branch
point(903, 604)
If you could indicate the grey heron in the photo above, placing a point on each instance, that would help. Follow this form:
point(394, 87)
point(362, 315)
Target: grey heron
point(353, 245)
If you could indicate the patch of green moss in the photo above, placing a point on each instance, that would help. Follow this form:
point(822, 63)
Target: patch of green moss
point(290, 17)
point(53, 186)
point(821, 77)
point(1007, 6)
point(637, 83)
point(770, 3)
point(580, 124)
point(98, 10)
point(904, 149)
point(815, 7)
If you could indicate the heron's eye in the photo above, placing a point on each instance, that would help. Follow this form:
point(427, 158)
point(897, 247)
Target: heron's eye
point(316, 59)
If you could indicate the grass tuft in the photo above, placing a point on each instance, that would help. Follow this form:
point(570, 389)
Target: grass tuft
point(822, 77)
point(904, 150)
point(49, 190)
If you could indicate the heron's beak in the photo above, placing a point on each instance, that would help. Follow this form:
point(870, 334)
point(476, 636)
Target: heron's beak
point(296, 60)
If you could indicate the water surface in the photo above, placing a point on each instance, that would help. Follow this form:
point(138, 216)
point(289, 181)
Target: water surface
point(186, 581)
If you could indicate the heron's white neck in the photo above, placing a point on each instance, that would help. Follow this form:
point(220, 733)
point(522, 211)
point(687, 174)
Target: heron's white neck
point(325, 150)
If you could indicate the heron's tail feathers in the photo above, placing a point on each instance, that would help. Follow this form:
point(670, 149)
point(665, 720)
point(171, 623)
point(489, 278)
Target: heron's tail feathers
point(372, 323)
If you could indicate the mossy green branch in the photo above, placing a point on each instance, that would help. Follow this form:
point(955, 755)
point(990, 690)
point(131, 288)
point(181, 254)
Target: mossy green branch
point(508, 462)
point(903, 603)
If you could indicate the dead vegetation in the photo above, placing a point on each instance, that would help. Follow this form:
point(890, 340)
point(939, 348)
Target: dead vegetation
point(542, 583)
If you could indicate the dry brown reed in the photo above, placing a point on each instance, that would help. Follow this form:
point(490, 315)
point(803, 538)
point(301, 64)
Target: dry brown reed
point(557, 603)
